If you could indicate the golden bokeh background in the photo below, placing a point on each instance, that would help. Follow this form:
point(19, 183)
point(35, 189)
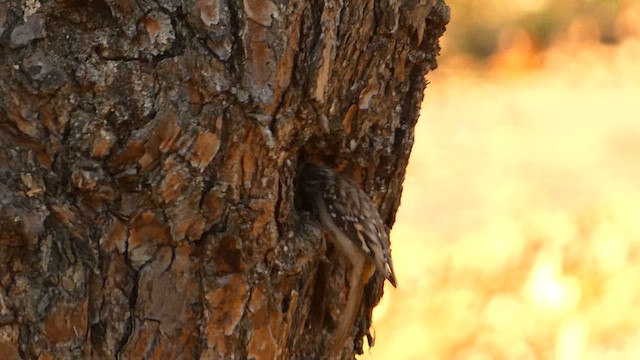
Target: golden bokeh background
point(518, 236)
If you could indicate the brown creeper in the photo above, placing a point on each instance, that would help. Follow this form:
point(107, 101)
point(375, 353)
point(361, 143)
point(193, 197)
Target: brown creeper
point(348, 213)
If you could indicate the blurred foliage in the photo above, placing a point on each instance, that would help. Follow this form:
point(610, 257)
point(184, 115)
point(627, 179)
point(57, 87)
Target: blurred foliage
point(518, 236)
point(477, 28)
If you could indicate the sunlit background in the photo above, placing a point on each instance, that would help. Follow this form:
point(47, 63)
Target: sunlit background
point(518, 236)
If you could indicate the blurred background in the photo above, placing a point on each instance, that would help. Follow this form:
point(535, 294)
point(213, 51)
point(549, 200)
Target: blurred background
point(518, 236)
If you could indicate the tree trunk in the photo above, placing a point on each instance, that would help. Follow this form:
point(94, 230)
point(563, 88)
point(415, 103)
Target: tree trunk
point(147, 163)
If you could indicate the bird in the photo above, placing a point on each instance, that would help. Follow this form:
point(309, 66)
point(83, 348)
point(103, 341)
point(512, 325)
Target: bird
point(347, 213)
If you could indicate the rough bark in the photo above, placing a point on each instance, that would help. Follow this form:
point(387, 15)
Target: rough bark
point(147, 163)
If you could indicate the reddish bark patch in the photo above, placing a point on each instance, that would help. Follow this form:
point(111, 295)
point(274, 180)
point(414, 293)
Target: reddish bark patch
point(213, 206)
point(103, 144)
point(260, 11)
point(204, 149)
point(146, 233)
point(228, 255)
point(130, 154)
point(174, 183)
point(262, 345)
point(9, 342)
point(66, 323)
point(226, 305)
point(115, 236)
point(167, 132)
point(347, 122)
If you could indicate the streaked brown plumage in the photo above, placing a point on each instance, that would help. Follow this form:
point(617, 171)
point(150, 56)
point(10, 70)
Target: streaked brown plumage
point(348, 212)
point(358, 231)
